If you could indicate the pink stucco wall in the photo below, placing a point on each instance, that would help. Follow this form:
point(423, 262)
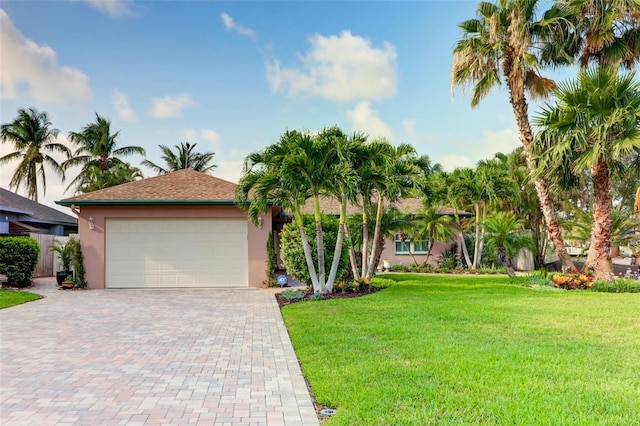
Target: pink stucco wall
point(389, 253)
point(93, 241)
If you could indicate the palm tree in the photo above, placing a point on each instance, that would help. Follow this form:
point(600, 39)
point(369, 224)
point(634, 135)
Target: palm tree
point(97, 147)
point(400, 171)
point(504, 236)
point(183, 158)
point(431, 225)
point(506, 42)
point(288, 172)
point(479, 189)
point(607, 32)
point(592, 126)
point(94, 179)
point(31, 134)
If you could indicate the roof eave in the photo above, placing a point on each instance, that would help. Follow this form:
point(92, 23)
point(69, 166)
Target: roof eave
point(69, 203)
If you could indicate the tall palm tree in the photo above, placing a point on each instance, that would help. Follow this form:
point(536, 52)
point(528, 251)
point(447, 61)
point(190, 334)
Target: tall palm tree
point(183, 158)
point(288, 172)
point(97, 146)
point(607, 32)
point(33, 139)
point(592, 126)
point(400, 170)
point(480, 189)
point(94, 179)
point(507, 42)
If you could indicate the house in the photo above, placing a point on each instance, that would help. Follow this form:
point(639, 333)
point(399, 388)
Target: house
point(182, 229)
point(20, 215)
point(395, 250)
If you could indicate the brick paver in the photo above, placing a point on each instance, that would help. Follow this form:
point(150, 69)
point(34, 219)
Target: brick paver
point(150, 357)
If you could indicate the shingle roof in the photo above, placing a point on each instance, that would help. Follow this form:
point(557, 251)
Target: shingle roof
point(32, 211)
point(180, 187)
point(406, 205)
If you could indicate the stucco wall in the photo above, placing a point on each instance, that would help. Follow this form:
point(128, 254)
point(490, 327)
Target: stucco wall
point(93, 240)
point(389, 253)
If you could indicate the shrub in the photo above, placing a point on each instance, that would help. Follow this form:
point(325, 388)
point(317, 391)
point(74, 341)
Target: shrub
point(447, 260)
point(620, 285)
point(541, 278)
point(292, 295)
point(399, 268)
point(271, 262)
point(77, 261)
point(293, 254)
point(66, 254)
point(18, 259)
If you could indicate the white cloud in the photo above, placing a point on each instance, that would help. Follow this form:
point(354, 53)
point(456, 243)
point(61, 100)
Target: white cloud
point(365, 119)
point(195, 136)
point(341, 68)
point(504, 141)
point(230, 170)
point(120, 102)
point(113, 8)
point(453, 161)
point(232, 25)
point(170, 106)
point(28, 64)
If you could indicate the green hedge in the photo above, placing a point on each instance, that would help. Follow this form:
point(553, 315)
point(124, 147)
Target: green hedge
point(293, 255)
point(18, 259)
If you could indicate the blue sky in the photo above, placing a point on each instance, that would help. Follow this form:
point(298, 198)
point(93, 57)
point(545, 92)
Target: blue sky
point(233, 76)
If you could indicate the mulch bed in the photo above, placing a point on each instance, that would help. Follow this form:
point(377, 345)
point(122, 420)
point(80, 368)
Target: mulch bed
point(367, 290)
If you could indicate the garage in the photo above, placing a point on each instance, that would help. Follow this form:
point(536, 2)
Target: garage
point(143, 253)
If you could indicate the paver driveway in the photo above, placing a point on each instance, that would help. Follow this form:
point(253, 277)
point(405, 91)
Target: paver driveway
point(109, 357)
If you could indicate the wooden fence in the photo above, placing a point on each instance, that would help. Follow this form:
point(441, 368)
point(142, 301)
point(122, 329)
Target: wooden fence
point(48, 261)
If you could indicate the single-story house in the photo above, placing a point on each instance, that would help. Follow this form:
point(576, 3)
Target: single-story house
point(21, 215)
point(182, 229)
point(395, 250)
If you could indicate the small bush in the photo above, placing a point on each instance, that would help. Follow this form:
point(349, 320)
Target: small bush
point(382, 282)
point(77, 262)
point(292, 295)
point(399, 268)
point(18, 259)
point(541, 278)
point(620, 285)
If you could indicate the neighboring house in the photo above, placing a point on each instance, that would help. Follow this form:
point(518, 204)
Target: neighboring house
point(182, 229)
point(20, 215)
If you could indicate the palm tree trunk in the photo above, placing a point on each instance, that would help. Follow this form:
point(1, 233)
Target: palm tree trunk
point(337, 252)
point(365, 239)
point(483, 210)
point(320, 242)
point(352, 254)
point(601, 233)
point(408, 247)
point(476, 245)
point(521, 111)
point(506, 261)
point(376, 237)
point(307, 256)
point(426, 260)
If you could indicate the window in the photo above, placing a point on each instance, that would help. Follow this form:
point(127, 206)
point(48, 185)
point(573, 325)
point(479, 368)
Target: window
point(417, 247)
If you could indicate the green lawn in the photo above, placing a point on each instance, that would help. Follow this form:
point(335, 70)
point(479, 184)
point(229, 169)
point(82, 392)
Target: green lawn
point(10, 297)
point(452, 350)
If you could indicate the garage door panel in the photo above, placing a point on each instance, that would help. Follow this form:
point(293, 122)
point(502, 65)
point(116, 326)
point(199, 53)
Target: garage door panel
point(176, 253)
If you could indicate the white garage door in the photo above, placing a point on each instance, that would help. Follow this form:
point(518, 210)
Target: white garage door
point(176, 253)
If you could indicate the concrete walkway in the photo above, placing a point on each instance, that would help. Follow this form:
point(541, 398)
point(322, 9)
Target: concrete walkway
point(135, 357)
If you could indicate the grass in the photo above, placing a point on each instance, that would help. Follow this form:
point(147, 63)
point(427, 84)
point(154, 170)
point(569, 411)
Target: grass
point(455, 350)
point(10, 297)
